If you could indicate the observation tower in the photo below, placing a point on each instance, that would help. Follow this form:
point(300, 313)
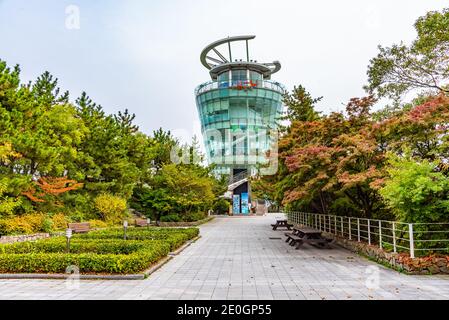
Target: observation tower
point(238, 110)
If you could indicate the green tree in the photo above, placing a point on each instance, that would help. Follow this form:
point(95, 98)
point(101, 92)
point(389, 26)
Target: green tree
point(423, 65)
point(300, 105)
point(416, 191)
point(108, 150)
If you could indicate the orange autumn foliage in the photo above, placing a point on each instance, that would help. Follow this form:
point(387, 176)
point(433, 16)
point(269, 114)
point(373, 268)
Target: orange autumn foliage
point(50, 186)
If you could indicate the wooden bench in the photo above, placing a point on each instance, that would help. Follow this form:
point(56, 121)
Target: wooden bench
point(141, 223)
point(82, 227)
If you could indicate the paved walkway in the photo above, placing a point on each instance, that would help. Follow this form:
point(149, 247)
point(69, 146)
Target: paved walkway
point(242, 258)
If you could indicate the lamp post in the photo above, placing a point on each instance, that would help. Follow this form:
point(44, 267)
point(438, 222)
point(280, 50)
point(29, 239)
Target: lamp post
point(125, 226)
point(68, 235)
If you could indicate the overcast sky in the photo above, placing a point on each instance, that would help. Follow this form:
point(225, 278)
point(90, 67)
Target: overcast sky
point(144, 55)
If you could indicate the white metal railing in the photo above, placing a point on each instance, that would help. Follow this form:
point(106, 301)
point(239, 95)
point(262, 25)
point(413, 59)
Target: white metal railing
point(240, 85)
point(414, 238)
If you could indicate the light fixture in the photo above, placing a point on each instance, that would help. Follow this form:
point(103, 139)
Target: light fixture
point(68, 235)
point(125, 226)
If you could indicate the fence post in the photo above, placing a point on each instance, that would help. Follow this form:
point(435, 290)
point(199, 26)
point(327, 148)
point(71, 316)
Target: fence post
point(394, 237)
point(330, 225)
point(324, 223)
point(380, 234)
point(342, 227)
point(335, 224)
point(350, 228)
point(412, 242)
point(358, 229)
point(369, 232)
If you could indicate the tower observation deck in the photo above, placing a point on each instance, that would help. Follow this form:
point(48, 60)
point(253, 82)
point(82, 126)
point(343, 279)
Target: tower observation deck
point(238, 110)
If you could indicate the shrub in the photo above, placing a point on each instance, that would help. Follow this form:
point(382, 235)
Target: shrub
point(86, 262)
point(416, 191)
point(59, 221)
point(101, 251)
point(171, 218)
point(26, 224)
point(59, 245)
point(97, 224)
point(112, 209)
point(194, 216)
point(47, 225)
point(174, 236)
point(221, 206)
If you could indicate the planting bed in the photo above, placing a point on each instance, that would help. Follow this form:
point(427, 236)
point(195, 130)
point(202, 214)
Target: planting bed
point(98, 252)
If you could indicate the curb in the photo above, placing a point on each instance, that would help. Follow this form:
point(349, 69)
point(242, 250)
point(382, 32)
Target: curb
point(61, 276)
point(187, 244)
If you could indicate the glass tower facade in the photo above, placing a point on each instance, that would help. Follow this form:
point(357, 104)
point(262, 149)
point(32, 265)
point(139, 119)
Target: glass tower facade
point(238, 114)
point(239, 109)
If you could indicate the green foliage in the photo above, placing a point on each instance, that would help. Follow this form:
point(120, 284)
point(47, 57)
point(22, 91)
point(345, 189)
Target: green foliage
point(176, 189)
point(111, 208)
point(7, 204)
point(195, 216)
point(173, 236)
point(171, 218)
point(59, 245)
point(33, 223)
point(300, 105)
point(102, 251)
point(90, 155)
point(86, 262)
point(25, 224)
point(416, 191)
point(421, 65)
point(221, 206)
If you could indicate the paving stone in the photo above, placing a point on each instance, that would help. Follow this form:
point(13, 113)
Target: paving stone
point(236, 259)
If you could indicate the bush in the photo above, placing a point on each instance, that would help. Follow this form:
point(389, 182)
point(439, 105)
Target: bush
point(97, 224)
point(101, 251)
point(47, 225)
point(221, 206)
point(171, 218)
point(86, 262)
point(416, 191)
point(112, 209)
point(26, 224)
point(173, 236)
point(59, 222)
point(59, 245)
point(196, 216)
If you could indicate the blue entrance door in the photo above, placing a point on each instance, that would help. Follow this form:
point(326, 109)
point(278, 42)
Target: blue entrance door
point(245, 205)
point(236, 204)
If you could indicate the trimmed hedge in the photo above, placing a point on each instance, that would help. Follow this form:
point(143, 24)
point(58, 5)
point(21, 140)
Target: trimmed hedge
point(59, 245)
point(86, 262)
point(175, 237)
point(102, 251)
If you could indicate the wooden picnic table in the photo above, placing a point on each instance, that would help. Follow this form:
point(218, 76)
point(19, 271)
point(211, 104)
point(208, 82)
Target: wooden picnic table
point(301, 235)
point(281, 223)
